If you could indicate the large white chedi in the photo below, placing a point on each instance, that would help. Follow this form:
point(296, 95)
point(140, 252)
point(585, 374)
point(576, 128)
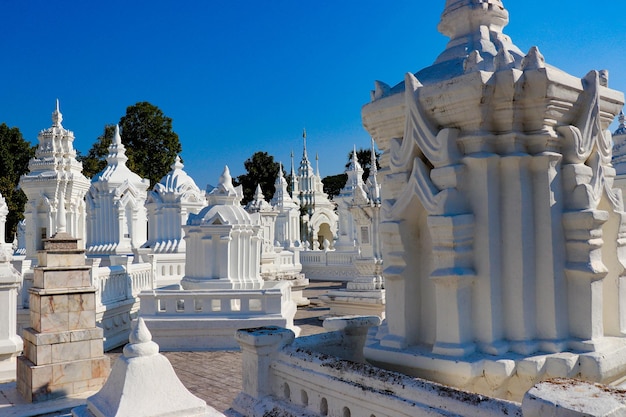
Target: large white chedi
point(116, 215)
point(502, 231)
point(54, 182)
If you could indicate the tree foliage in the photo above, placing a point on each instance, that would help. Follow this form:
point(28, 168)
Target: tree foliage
point(261, 169)
point(15, 152)
point(151, 144)
point(333, 184)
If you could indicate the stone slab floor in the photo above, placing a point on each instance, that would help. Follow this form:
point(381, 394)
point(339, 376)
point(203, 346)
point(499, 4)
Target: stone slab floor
point(213, 376)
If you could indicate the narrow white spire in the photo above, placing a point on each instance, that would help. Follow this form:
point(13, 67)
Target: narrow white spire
point(317, 164)
point(373, 168)
point(117, 139)
point(57, 117)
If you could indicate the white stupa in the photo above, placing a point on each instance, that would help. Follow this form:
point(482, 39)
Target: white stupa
point(222, 289)
point(116, 215)
point(52, 172)
point(169, 205)
point(319, 220)
point(288, 219)
point(223, 243)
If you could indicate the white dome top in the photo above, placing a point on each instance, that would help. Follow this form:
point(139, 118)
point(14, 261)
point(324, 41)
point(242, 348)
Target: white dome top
point(224, 205)
point(178, 182)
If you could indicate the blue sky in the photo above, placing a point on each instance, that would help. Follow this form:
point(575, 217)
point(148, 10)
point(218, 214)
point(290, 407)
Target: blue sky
point(238, 77)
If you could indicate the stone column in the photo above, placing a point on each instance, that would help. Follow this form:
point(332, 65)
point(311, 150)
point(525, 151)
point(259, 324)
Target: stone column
point(552, 328)
point(485, 199)
point(63, 350)
point(518, 256)
point(585, 271)
point(10, 343)
point(453, 275)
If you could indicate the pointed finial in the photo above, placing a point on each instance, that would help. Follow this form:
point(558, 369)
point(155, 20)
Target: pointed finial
point(258, 193)
point(117, 139)
point(281, 174)
point(317, 164)
point(177, 164)
point(622, 119)
point(225, 179)
point(304, 142)
point(140, 341)
point(57, 117)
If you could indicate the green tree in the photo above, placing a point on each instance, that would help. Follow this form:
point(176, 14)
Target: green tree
point(333, 184)
point(15, 152)
point(261, 169)
point(151, 144)
point(95, 160)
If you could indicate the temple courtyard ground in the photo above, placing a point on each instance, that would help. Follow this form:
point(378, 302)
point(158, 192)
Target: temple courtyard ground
point(213, 376)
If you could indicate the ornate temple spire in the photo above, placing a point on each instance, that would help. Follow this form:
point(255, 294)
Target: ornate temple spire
point(225, 193)
point(355, 161)
point(475, 29)
point(317, 164)
point(117, 151)
point(304, 155)
point(57, 117)
point(373, 167)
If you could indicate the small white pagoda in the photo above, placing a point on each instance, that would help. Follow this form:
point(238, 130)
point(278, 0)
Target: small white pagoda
point(54, 171)
point(116, 215)
point(224, 244)
point(168, 206)
point(288, 219)
point(358, 209)
point(319, 220)
point(222, 289)
point(280, 256)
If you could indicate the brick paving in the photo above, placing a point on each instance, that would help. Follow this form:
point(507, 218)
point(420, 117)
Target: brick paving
point(215, 376)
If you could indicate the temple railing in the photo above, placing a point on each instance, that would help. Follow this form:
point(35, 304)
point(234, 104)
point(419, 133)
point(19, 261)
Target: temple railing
point(118, 283)
point(212, 302)
point(327, 258)
point(326, 375)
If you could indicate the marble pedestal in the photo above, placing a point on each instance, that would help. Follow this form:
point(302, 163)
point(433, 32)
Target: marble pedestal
point(63, 348)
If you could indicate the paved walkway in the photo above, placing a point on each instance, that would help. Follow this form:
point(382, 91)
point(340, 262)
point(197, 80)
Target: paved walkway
point(213, 376)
